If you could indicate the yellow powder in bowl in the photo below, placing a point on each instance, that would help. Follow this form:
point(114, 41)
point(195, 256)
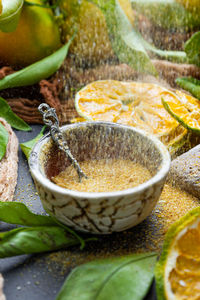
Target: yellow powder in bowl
point(104, 176)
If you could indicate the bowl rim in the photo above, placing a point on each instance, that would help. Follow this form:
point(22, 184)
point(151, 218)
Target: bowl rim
point(37, 174)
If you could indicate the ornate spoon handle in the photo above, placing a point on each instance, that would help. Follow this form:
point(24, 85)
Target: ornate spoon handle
point(51, 120)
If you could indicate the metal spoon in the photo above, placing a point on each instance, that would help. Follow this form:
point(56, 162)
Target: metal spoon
point(51, 120)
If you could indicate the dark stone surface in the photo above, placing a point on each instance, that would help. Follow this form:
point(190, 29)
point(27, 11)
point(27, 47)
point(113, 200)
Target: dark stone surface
point(34, 277)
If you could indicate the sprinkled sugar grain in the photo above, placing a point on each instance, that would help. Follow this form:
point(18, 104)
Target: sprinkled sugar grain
point(104, 176)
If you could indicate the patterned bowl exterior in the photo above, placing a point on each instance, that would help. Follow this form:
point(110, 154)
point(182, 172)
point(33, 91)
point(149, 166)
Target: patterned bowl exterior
point(108, 212)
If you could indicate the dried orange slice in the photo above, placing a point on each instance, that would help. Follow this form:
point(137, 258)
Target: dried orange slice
point(132, 103)
point(184, 108)
point(178, 270)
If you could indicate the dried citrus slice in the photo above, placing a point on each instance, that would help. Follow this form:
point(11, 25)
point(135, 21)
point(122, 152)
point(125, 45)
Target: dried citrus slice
point(178, 270)
point(184, 108)
point(132, 103)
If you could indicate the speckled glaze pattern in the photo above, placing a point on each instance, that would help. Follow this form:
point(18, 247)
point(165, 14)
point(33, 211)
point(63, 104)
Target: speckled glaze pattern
point(109, 212)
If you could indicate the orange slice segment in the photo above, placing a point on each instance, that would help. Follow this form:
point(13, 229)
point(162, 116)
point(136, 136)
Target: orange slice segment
point(178, 270)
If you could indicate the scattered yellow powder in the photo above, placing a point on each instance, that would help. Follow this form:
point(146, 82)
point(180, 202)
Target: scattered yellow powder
point(173, 204)
point(146, 236)
point(104, 176)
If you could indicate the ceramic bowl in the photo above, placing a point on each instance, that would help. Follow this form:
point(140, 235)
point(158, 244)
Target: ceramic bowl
point(104, 212)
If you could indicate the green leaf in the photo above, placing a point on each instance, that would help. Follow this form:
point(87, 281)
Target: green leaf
point(128, 44)
point(4, 136)
point(40, 5)
point(72, 232)
point(17, 213)
point(7, 113)
point(175, 56)
point(192, 48)
point(37, 71)
point(34, 240)
point(190, 84)
point(10, 14)
point(168, 14)
point(123, 278)
point(124, 39)
point(28, 146)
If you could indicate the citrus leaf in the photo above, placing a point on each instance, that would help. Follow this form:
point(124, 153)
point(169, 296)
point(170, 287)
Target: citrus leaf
point(124, 39)
point(18, 213)
point(190, 84)
point(34, 240)
point(40, 5)
point(123, 278)
point(174, 56)
point(168, 14)
point(192, 48)
point(128, 44)
point(7, 113)
point(27, 146)
point(10, 14)
point(37, 71)
point(4, 136)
